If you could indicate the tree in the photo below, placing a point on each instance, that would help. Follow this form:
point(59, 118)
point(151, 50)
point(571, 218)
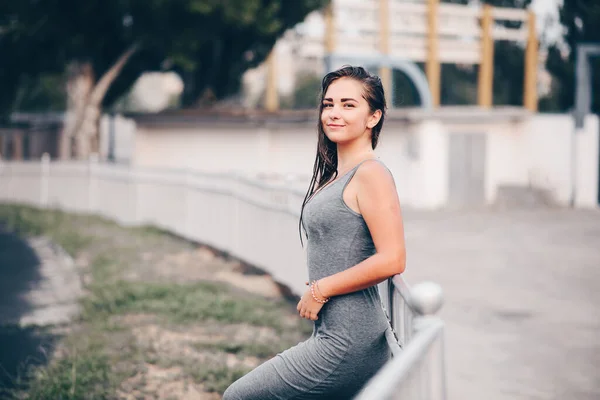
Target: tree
point(581, 21)
point(104, 46)
point(306, 92)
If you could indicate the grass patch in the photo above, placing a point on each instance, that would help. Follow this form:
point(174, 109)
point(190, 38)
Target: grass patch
point(84, 372)
point(181, 304)
point(215, 377)
point(55, 224)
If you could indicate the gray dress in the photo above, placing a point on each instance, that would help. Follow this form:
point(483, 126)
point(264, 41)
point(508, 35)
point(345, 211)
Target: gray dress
point(348, 344)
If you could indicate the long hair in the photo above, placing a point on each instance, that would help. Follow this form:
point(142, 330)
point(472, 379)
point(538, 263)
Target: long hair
point(326, 162)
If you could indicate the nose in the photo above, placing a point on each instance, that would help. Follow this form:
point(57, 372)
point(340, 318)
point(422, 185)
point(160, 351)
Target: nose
point(334, 112)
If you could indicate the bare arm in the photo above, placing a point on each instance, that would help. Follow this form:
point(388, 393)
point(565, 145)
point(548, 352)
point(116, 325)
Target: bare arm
point(379, 205)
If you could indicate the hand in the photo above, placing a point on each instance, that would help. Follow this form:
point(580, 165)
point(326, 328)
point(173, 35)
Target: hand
point(308, 307)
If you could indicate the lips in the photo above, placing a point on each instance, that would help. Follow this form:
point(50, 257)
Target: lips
point(335, 126)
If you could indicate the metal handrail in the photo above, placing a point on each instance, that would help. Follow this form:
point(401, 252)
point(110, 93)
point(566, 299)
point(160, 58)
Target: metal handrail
point(389, 381)
point(420, 334)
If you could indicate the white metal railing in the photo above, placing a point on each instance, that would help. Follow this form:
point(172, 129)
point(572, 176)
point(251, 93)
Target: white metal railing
point(241, 216)
point(418, 373)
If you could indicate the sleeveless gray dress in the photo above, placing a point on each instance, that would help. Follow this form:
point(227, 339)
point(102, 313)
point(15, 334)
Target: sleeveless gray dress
point(348, 344)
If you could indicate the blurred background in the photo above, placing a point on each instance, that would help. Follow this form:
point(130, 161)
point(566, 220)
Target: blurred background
point(154, 156)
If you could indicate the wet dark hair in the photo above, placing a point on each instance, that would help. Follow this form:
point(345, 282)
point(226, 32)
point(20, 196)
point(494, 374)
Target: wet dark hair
point(325, 167)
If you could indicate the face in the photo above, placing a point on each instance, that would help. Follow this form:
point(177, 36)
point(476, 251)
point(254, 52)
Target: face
point(346, 114)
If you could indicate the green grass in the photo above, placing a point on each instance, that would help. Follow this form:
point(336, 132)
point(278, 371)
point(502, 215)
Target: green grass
point(181, 304)
point(55, 224)
point(215, 377)
point(83, 372)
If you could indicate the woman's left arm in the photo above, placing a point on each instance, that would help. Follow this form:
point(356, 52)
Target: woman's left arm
point(380, 207)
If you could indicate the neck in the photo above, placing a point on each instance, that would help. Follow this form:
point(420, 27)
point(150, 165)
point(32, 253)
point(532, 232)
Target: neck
point(350, 154)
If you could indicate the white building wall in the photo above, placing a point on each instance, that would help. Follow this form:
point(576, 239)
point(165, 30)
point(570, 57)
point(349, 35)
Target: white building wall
point(587, 163)
point(528, 151)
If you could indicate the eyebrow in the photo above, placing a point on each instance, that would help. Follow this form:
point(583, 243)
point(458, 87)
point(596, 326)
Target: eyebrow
point(343, 100)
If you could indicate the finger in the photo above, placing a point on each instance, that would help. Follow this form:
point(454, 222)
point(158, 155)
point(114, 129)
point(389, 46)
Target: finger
point(303, 313)
point(299, 304)
point(313, 316)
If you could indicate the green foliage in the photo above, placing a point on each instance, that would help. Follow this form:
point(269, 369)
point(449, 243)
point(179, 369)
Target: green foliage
point(581, 21)
point(29, 221)
point(405, 93)
point(210, 43)
point(306, 93)
point(44, 93)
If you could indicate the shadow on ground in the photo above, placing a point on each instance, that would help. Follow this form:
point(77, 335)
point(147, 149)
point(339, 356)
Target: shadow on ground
point(20, 347)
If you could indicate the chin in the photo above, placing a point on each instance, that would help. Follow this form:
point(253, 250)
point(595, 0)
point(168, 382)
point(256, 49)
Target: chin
point(340, 139)
point(337, 137)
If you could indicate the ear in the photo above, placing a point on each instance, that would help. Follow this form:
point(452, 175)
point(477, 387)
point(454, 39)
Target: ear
point(374, 119)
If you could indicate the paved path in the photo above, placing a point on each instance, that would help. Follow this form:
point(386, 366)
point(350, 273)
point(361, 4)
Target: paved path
point(39, 286)
point(522, 292)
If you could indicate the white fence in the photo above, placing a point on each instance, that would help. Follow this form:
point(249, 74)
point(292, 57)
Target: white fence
point(253, 221)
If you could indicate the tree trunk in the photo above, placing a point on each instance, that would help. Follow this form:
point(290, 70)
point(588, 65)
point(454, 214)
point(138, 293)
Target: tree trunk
point(84, 100)
point(80, 83)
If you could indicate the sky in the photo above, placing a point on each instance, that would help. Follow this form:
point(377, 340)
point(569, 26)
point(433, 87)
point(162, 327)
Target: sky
point(547, 17)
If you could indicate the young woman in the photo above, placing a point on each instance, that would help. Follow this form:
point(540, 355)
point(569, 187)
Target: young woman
point(352, 220)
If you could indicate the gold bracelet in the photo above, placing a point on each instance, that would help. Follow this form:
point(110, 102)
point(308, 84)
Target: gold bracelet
point(312, 292)
point(319, 290)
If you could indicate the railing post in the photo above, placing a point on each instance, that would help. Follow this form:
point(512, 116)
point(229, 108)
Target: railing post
point(426, 300)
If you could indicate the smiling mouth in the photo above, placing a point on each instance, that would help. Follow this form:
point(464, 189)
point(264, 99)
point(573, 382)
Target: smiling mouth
point(335, 126)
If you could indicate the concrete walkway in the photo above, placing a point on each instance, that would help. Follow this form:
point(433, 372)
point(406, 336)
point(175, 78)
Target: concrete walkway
point(39, 286)
point(522, 291)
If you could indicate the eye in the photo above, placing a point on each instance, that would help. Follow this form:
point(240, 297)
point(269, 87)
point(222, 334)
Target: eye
point(349, 105)
point(327, 105)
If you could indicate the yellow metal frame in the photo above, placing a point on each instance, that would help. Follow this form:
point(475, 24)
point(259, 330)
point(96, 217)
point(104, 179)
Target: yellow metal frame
point(432, 66)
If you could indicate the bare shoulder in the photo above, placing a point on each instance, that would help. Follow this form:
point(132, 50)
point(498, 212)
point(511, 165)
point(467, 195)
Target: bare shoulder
point(378, 203)
point(374, 174)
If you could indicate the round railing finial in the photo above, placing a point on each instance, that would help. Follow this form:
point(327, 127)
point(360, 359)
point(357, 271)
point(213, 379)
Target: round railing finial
point(427, 298)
